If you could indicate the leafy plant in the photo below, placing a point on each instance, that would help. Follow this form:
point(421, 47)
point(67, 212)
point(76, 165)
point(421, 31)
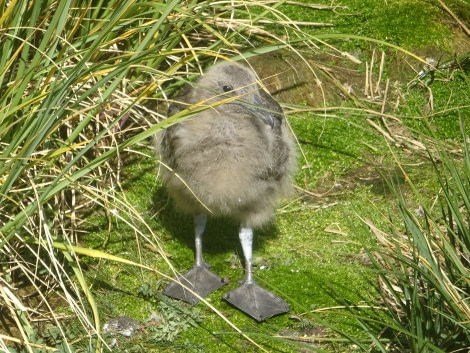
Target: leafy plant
point(175, 318)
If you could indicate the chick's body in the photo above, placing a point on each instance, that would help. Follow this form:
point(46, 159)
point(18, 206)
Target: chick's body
point(228, 159)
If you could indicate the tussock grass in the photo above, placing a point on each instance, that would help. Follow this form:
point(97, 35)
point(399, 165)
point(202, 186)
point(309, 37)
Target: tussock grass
point(82, 85)
point(423, 262)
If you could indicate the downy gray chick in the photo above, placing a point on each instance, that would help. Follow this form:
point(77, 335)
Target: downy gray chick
point(233, 159)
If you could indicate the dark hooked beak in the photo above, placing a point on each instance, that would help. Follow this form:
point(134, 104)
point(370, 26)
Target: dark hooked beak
point(264, 113)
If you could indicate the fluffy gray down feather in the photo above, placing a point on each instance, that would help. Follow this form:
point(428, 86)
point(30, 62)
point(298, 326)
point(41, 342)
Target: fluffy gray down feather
point(236, 158)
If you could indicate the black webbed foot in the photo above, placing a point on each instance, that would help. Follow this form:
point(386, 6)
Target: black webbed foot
point(256, 301)
point(199, 279)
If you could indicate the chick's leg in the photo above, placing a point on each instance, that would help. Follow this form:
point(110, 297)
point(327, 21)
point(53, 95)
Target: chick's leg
point(198, 281)
point(250, 298)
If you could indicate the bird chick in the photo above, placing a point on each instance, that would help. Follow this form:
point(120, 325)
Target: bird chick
point(234, 159)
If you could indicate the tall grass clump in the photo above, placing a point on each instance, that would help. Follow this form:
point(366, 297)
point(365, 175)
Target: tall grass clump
point(82, 86)
point(424, 263)
point(66, 102)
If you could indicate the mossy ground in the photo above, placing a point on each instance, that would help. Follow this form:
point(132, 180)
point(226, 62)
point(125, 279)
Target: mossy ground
point(313, 255)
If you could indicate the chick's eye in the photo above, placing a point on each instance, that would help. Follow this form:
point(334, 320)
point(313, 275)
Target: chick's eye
point(227, 88)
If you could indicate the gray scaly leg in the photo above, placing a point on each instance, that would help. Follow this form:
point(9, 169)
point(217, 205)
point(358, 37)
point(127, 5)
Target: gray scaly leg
point(250, 297)
point(199, 279)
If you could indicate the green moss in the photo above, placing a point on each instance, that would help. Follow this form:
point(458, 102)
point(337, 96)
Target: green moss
point(312, 256)
point(449, 100)
point(406, 23)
